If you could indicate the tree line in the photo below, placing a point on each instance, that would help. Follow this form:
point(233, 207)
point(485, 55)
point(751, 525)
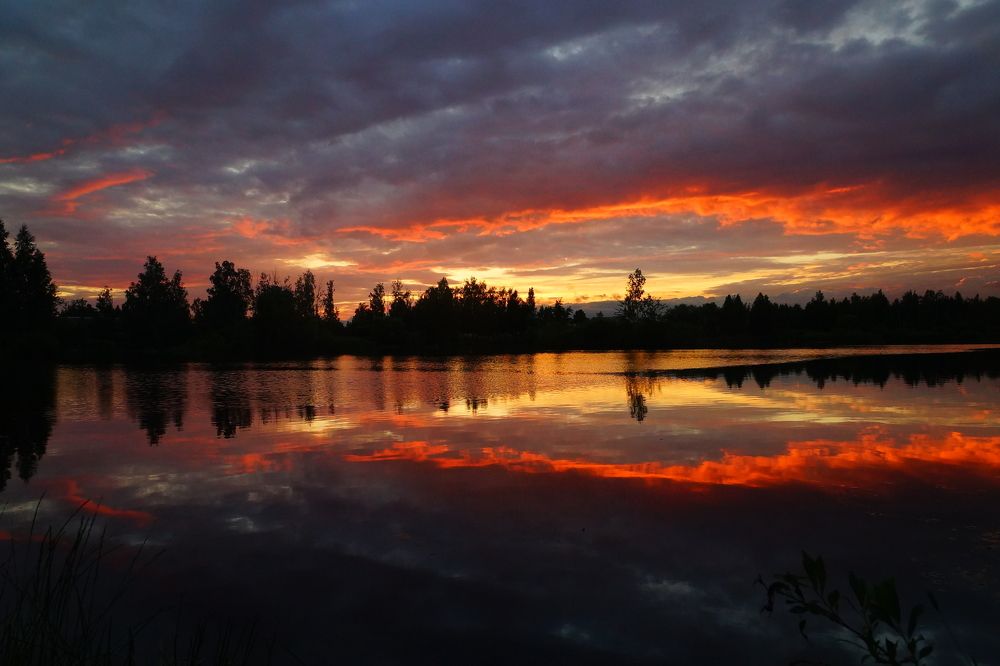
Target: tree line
point(273, 316)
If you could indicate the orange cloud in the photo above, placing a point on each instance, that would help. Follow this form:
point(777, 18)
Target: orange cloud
point(813, 462)
point(66, 202)
point(277, 232)
point(865, 209)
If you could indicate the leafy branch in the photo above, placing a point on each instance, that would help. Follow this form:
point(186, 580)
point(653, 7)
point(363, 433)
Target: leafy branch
point(871, 614)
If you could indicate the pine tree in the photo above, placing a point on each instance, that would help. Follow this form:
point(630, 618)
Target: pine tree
point(34, 293)
point(6, 273)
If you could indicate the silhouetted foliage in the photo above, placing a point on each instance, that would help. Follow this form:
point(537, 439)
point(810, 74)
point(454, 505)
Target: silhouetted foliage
point(274, 311)
point(637, 304)
point(305, 296)
point(278, 317)
point(229, 298)
point(67, 598)
point(872, 616)
point(330, 313)
point(106, 304)
point(27, 295)
point(402, 302)
point(78, 307)
point(6, 271)
point(156, 311)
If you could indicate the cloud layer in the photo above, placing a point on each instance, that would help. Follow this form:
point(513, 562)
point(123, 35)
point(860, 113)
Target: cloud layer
point(722, 146)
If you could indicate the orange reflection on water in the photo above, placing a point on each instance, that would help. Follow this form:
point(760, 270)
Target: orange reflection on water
point(73, 495)
point(820, 462)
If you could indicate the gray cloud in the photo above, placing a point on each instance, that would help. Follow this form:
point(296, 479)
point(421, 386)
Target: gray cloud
point(321, 116)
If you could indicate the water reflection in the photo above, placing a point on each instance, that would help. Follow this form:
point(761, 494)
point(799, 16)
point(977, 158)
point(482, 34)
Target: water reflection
point(914, 370)
point(27, 417)
point(581, 504)
point(230, 399)
point(156, 399)
point(636, 389)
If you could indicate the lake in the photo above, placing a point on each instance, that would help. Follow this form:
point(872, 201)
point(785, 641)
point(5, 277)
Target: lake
point(574, 507)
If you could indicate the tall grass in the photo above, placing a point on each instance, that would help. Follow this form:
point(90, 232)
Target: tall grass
point(61, 593)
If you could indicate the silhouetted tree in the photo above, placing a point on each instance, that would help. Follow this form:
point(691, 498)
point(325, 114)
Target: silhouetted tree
point(434, 311)
point(156, 309)
point(34, 287)
point(734, 315)
point(761, 316)
point(330, 314)
point(820, 313)
point(27, 295)
point(78, 307)
point(229, 298)
point(629, 306)
point(637, 304)
point(106, 304)
point(6, 273)
point(474, 317)
point(402, 301)
point(554, 313)
point(305, 296)
point(275, 315)
point(376, 300)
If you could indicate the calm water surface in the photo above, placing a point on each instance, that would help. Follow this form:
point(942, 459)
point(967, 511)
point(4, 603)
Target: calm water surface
point(567, 507)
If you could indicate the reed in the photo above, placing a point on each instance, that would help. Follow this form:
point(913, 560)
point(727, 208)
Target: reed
point(61, 602)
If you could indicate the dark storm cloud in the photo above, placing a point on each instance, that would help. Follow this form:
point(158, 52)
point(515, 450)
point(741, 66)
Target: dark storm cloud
point(322, 116)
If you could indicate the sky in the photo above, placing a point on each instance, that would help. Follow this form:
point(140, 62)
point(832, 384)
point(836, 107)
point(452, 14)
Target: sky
point(722, 146)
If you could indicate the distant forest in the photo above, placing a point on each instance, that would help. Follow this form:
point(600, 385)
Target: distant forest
point(275, 317)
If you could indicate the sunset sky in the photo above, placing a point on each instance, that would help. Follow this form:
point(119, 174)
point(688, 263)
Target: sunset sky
point(721, 146)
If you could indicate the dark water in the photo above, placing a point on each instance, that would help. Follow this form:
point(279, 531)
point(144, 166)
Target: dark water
point(555, 507)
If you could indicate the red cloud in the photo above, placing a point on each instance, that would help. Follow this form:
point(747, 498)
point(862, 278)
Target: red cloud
point(865, 209)
point(277, 232)
point(65, 203)
point(816, 461)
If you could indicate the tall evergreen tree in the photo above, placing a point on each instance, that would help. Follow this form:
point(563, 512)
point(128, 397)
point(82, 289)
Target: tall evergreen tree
point(6, 273)
point(34, 292)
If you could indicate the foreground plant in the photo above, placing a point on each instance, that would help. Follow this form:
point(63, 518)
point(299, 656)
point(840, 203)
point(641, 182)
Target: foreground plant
point(872, 615)
point(60, 603)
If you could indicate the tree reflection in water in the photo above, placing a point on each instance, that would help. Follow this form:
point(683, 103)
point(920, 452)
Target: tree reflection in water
point(156, 399)
point(27, 417)
point(230, 398)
